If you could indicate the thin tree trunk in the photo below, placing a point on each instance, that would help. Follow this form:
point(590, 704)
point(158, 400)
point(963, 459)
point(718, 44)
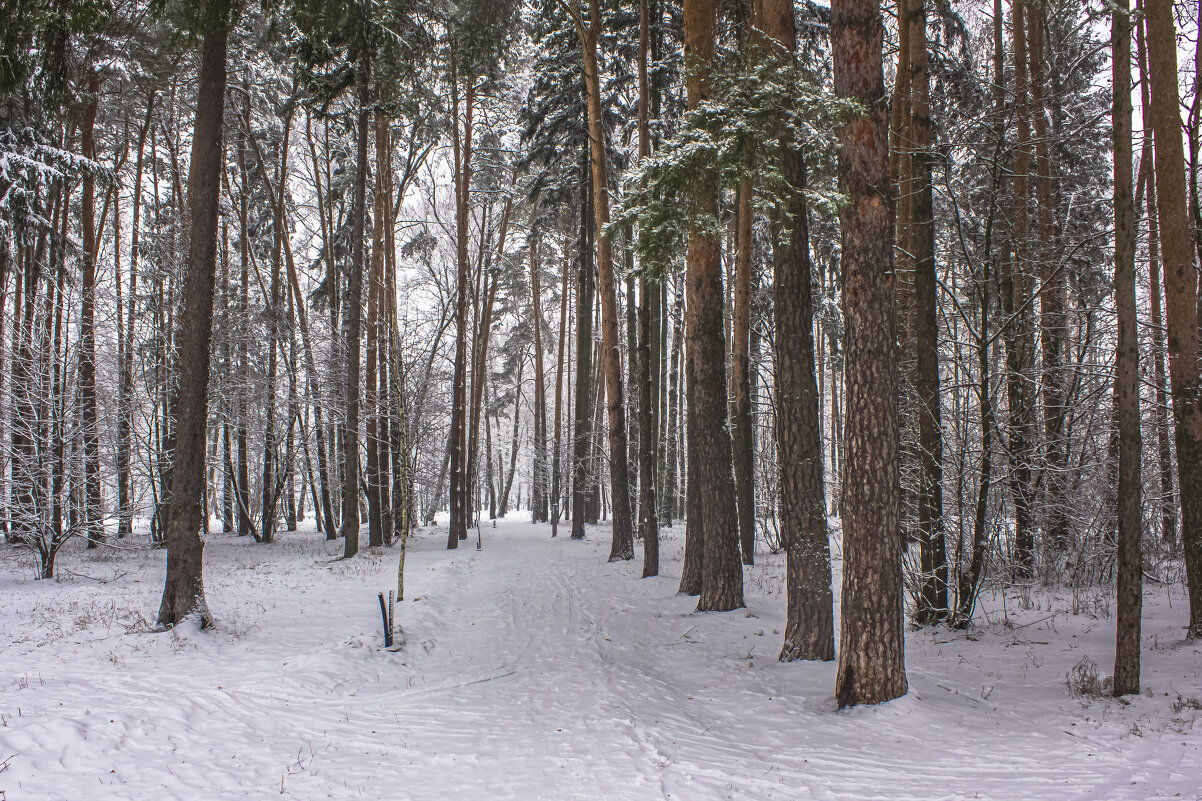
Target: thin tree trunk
point(513, 443)
point(1052, 290)
point(933, 606)
point(539, 506)
point(970, 579)
point(1160, 411)
point(742, 442)
point(458, 436)
point(670, 483)
point(1016, 307)
point(376, 468)
point(611, 358)
point(480, 351)
point(354, 314)
point(242, 493)
point(582, 420)
point(490, 478)
point(556, 505)
point(269, 506)
point(648, 310)
point(325, 468)
point(93, 510)
point(125, 414)
point(1130, 523)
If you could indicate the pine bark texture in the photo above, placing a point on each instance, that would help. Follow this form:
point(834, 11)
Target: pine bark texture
point(1181, 291)
point(1126, 383)
point(871, 665)
point(183, 592)
point(611, 358)
point(709, 436)
point(810, 626)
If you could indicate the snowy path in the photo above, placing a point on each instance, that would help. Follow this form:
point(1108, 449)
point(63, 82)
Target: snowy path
point(535, 670)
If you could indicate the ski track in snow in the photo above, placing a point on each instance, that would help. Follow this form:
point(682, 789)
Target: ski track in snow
point(535, 670)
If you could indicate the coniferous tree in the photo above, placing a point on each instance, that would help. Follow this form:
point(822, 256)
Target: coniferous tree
point(871, 660)
point(709, 435)
point(1181, 289)
point(1126, 385)
point(809, 630)
point(183, 593)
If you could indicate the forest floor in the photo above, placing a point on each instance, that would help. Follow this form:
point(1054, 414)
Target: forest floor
point(533, 669)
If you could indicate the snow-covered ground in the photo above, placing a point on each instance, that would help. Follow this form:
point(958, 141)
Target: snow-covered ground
point(535, 670)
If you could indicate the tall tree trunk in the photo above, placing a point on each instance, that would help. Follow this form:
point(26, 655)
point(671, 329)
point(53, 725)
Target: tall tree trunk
point(1181, 291)
point(671, 450)
point(810, 625)
point(1052, 290)
point(1160, 411)
point(648, 310)
point(741, 441)
point(556, 505)
point(376, 468)
point(125, 398)
point(1194, 129)
point(933, 605)
point(354, 316)
point(633, 437)
point(1016, 308)
point(458, 436)
point(871, 656)
point(970, 579)
point(480, 351)
point(325, 469)
point(242, 481)
point(539, 506)
point(596, 452)
point(611, 357)
point(183, 592)
point(269, 506)
point(93, 510)
point(582, 420)
point(709, 440)
point(490, 477)
point(1126, 384)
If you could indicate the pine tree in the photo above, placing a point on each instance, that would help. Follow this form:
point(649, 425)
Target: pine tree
point(871, 661)
point(183, 593)
point(1126, 385)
